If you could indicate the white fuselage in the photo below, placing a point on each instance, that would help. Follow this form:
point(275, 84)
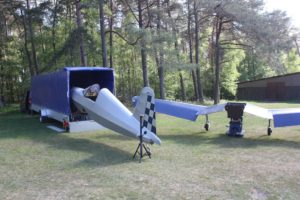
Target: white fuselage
point(108, 111)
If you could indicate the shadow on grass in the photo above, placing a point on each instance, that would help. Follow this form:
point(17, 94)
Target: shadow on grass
point(16, 125)
point(102, 154)
point(113, 136)
point(229, 142)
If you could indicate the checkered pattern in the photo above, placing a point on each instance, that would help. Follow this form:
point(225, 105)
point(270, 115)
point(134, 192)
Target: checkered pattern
point(149, 117)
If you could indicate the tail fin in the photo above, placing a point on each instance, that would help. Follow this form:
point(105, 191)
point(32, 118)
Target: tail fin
point(146, 106)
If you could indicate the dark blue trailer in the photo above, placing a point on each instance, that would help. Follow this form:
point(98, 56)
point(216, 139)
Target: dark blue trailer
point(51, 94)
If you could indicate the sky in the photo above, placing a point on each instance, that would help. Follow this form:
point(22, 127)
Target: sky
point(292, 8)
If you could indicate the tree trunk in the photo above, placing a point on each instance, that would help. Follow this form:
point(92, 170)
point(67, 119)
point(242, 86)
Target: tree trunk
point(196, 96)
point(102, 34)
point(297, 46)
point(217, 61)
point(1, 85)
point(2, 81)
point(83, 60)
point(123, 83)
point(134, 81)
point(1, 75)
point(11, 89)
point(182, 88)
point(31, 70)
point(53, 29)
point(111, 22)
point(199, 85)
point(194, 78)
point(143, 46)
point(181, 80)
point(253, 66)
point(160, 72)
point(129, 84)
point(41, 32)
point(31, 34)
point(161, 56)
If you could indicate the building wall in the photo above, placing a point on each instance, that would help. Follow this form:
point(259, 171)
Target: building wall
point(251, 93)
point(280, 88)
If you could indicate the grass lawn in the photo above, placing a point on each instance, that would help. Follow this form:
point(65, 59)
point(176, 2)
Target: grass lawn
point(37, 163)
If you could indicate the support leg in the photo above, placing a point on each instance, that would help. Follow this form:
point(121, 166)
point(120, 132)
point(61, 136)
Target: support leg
point(136, 151)
point(141, 151)
point(269, 128)
point(147, 150)
point(207, 124)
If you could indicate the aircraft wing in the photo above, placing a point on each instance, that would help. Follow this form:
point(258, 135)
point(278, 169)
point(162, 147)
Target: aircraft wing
point(178, 109)
point(258, 111)
point(286, 117)
point(211, 109)
point(281, 117)
point(184, 110)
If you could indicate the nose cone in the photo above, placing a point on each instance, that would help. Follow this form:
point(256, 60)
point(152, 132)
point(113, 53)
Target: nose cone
point(150, 137)
point(155, 139)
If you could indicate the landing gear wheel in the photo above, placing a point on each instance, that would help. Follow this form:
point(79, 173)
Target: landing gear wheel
point(206, 126)
point(269, 131)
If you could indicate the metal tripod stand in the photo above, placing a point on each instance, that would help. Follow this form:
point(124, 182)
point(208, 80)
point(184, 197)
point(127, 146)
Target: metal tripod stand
point(141, 146)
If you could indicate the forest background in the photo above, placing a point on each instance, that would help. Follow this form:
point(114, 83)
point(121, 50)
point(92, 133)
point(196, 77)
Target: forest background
point(190, 50)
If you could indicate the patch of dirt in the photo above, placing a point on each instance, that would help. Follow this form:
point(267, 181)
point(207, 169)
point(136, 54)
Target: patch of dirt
point(259, 194)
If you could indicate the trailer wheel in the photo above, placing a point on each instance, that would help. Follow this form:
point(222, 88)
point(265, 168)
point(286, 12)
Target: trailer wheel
point(43, 119)
point(66, 126)
point(67, 129)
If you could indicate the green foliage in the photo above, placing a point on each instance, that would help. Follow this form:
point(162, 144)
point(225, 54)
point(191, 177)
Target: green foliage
point(253, 68)
point(189, 88)
point(230, 73)
point(267, 51)
point(291, 61)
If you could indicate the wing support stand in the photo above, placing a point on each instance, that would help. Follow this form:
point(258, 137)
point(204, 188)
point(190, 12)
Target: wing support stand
point(269, 128)
point(207, 124)
point(141, 146)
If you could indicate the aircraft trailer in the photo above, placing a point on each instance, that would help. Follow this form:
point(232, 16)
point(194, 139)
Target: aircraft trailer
point(50, 95)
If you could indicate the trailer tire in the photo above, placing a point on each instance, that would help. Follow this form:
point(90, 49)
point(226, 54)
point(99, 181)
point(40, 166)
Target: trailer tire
point(43, 119)
point(66, 126)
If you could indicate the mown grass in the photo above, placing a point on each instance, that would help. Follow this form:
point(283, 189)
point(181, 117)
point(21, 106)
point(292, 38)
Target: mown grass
point(37, 163)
